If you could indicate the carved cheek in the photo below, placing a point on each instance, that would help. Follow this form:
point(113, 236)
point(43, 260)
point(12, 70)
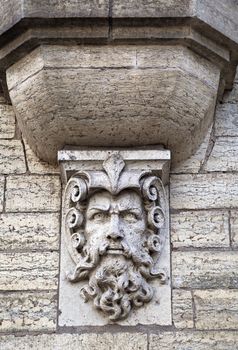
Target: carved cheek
point(95, 232)
point(134, 233)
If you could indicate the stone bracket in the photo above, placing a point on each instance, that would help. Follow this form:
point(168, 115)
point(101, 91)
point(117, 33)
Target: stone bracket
point(115, 251)
point(155, 158)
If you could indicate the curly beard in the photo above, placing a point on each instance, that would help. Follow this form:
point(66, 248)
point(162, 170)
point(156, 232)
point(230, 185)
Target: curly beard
point(116, 286)
point(117, 282)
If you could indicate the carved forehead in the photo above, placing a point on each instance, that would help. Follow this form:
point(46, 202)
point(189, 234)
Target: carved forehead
point(124, 200)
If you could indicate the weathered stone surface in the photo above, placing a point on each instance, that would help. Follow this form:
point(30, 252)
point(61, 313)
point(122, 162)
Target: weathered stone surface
point(200, 229)
point(182, 309)
point(33, 193)
point(204, 191)
point(108, 242)
point(26, 271)
point(7, 122)
point(227, 120)
point(14, 10)
point(208, 269)
point(193, 341)
point(69, 8)
point(2, 182)
point(77, 57)
point(29, 231)
point(157, 8)
point(231, 96)
point(12, 160)
point(171, 88)
point(224, 155)
point(193, 164)
point(219, 14)
point(176, 57)
point(150, 158)
point(213, 12)
point(36, 166)
point(27, 311)
point(234, 228)
point(11, 12)
point(216, 309)
point(90, 341)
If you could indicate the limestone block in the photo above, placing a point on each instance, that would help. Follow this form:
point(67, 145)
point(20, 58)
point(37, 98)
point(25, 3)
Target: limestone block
point(234, 228)
point(69, 8)
point(2, 182)
point(200, 229)
point(177, 57)
point(207, 269)
point(50, 57)
point(13, 10)
point(193, 164)
point(118, 341)
point(87, 341)
point(231, 96)
point(36, 166)
point(182, 309)
point(216, 309)
point(224, 155)
point(29, 231)
point(28, 271)
point(191, 340)
point(33, 193)
point(157, 8)
point(7, 122)
point(226, 123)
point(216, 13)
point(88, 115)
point(204, 191)
point(27, 311)
point(10, 13)
point(12, 160)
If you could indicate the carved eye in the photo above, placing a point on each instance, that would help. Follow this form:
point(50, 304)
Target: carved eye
point(99, 216)
point(130, 217)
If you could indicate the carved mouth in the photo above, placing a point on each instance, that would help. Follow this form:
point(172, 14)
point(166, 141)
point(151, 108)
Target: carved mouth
point(114, 250)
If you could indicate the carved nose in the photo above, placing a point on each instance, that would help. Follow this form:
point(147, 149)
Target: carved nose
point(115, 233)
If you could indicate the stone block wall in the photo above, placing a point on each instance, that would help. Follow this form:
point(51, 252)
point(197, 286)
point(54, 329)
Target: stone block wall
point(204, 241)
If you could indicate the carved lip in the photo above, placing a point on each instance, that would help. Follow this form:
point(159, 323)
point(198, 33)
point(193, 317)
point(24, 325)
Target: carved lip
point(115, 250)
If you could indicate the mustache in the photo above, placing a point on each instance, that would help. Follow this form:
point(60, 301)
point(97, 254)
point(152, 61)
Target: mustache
point(122, 246)
point(129, 252)
point(91, 257)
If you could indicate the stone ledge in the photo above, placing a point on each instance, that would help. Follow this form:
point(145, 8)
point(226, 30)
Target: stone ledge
point(90, 341)
point(194, 340)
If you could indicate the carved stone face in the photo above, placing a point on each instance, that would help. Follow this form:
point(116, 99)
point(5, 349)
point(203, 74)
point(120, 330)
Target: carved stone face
point(112, 225)
point(115, 223)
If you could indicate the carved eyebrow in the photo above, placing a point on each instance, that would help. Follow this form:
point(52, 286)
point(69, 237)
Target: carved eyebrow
point(96, 209)
point(135, 210)
point(99, 207)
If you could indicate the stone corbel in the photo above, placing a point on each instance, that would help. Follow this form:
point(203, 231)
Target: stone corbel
point(115, 238)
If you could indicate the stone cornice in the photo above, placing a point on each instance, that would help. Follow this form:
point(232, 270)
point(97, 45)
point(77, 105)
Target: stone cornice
point(207, 26)
point(117, 73)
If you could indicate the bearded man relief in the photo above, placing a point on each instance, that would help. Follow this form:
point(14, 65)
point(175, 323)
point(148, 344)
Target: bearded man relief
point(112, 231)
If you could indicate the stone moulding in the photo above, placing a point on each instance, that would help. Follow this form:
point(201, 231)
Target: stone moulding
point(162, 58)
point(115, 251)
point(114, 96)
